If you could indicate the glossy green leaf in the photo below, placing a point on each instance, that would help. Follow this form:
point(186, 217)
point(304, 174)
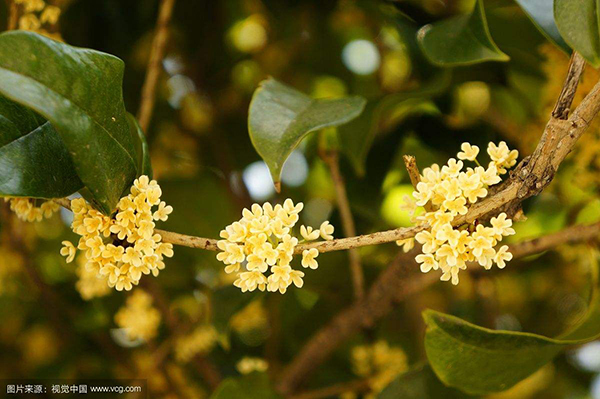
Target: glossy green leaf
point(541, 13)
point(357, 137)
point(33, 159)
point(79, 92)
point(420, 383)
point(478, 360)
point(460, 40)
point(251, 386)
point(280, 117)
point(577, 22)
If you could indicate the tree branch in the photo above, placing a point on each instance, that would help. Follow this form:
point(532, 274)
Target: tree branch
point(331, 158)
point(154, 68)
point(565, 99)
point(529, 178)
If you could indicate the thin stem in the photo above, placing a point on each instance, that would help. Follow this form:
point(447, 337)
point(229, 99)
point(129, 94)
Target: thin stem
point(339, 244)
point(154, 68)
point(331, 158)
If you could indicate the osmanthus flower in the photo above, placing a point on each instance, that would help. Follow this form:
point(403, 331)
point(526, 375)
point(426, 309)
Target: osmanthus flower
point(139, 319)
point(449, 191)
point(259, 248)
point(122, 248)
point(468, 152)
point(28, 209)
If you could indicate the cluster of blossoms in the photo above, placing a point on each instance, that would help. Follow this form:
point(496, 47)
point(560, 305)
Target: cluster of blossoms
point(27, 210)
point(124, 247)
point(249, 365)
point(200, 341)
point(36, 14)
point(139, 319)
point(380, 363)
point(448, 192)
point(261, 240)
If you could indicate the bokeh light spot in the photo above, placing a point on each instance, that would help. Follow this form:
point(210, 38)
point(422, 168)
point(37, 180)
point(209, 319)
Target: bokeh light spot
point(361, 57)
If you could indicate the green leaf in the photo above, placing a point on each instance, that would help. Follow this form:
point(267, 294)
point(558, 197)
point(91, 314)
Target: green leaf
point(357, 137)
point(577, 22)
point(460, 40)
point(541, 14)
point(79, 92)
point(478, 360)
point(420, 383)
point(33, 159)
point(251, 386)
point(280, 117)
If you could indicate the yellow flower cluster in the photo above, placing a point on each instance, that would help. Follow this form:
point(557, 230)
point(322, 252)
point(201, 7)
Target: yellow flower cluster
point(90, 284)
point(200, 341)
point(449, 191)
point(124, 247)
point(249, 365)
point(27, 210)
point(262, 241)
point(380, 363)
point(139, 319)
point(36, 13)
